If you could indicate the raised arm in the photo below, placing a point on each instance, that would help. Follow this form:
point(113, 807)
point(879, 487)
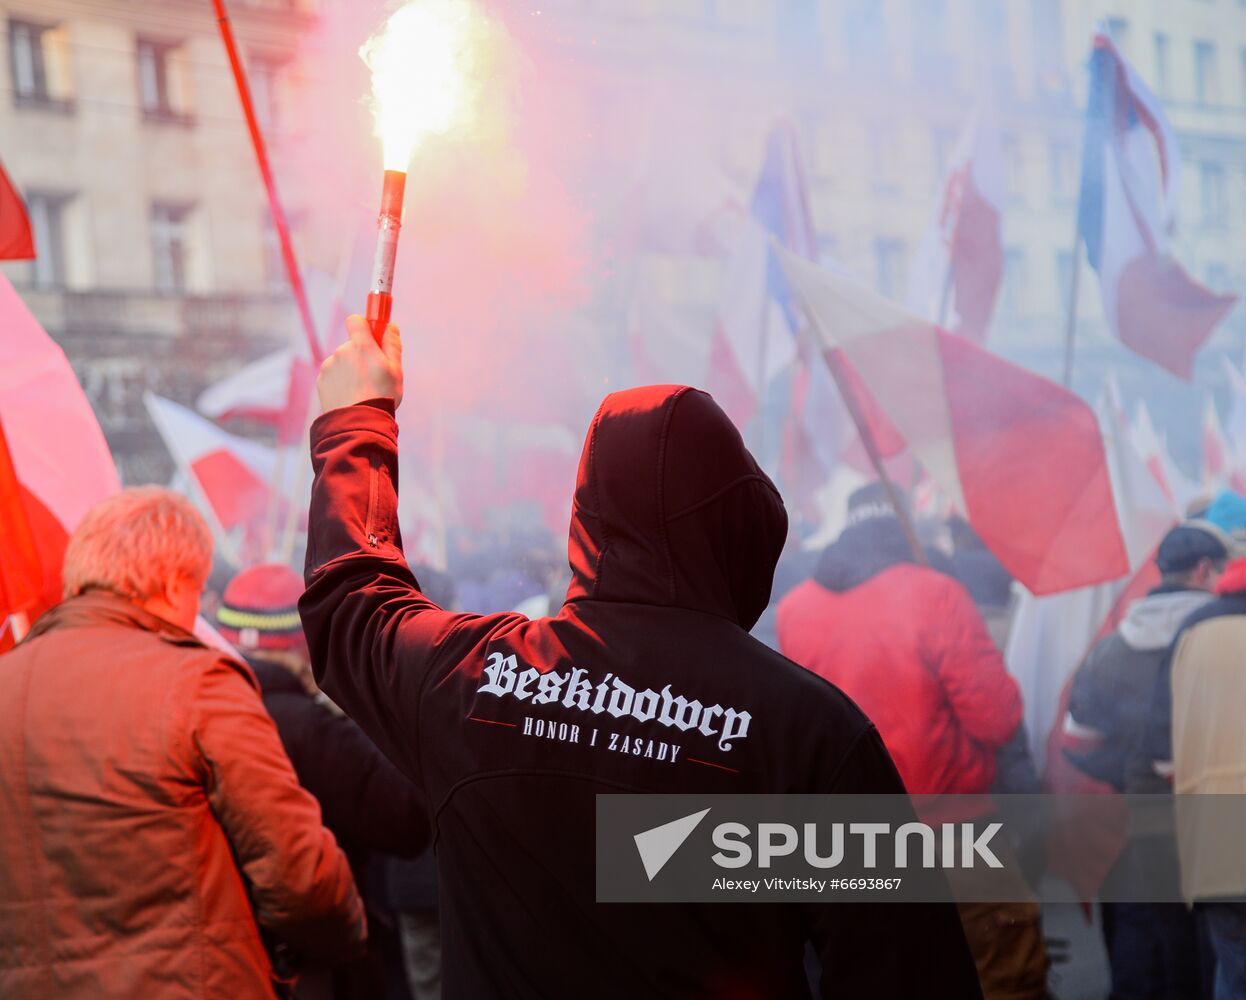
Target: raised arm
point(374, 638)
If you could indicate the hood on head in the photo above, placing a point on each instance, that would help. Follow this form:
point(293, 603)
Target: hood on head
point(861, 552)
point(671, 509)
point(1152, 622)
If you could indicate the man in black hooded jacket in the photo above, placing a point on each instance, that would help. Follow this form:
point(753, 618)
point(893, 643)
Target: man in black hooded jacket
point(675, 533)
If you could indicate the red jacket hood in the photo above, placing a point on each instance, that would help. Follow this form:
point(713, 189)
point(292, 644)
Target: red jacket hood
point(671, 509)
point(1234, 579)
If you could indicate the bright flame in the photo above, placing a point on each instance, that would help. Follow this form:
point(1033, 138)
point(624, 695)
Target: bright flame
point(424, 65)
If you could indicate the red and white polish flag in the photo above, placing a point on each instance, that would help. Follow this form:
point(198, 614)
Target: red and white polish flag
point(233, 476)
point(963, 242)
point(1020, 457)
point(1126, 210)
point(56, 449)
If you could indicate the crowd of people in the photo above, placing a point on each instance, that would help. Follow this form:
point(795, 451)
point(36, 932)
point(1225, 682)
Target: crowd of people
point(353, 806)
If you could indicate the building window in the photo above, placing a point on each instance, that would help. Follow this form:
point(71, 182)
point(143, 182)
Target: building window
point(1014, 169)
point(1014, 280)
point(889, 265)
point(275, 277)
point(865, 38)
point(1118, 31)
point(884, 160)
point(798, 31)
point(170, 245)
point(1161, 64)
point(38, 65)
point(1050, 74)
point(1211, 189)
point(1206, 90)
point(263, 76)
point(47, 223)
point(942, 143)
point(934, 62)
point(991, 25)
point(1063, 172)
point(1064, 277)
point(162, 82)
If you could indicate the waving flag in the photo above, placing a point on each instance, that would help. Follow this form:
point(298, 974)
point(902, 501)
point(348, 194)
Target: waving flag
point(61, 463)
point(1179, 490)
point(232, 477)
point(1220, 464)
point(1020, 457)
point(275, 389)
point(1125, 211)
point(21, 571)
point(1050, 635)
point(755, 330)
point(963, 244)
point(16, 240)
point(1235, 426)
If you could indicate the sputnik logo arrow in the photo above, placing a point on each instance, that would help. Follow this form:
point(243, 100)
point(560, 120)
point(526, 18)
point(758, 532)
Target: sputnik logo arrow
point(656, 846)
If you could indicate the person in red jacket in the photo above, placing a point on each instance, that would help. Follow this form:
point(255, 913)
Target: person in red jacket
point(154, 840)
point(908, 645)
point(646, 680)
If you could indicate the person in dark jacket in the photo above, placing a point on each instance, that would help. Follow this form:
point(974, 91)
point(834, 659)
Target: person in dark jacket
point(675, 533)
point(369, 804)
point(1195, 735)
point(153, 836)
point(1152, 947)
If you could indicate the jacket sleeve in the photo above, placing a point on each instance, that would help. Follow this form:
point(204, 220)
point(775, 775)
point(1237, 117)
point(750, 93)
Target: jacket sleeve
point(299, 881)
point(983, 696)
point(374, 638)
point(887, 949)
point(366, 801)
point(1090, 705)
point(1153, 768)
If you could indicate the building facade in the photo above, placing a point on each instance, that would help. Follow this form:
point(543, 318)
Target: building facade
point(157, 267)
point(881, 89)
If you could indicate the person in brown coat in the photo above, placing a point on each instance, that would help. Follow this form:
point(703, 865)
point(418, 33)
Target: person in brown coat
point(154, 840)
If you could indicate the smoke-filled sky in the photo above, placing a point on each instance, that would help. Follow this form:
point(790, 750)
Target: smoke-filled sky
point(589, 207)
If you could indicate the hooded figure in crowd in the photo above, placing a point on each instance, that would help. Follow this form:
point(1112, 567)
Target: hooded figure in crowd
point(1196, 736)
point(907, 643)
point(153, 836)
point(369, 805)
point(675, 534)
point(1152, 947)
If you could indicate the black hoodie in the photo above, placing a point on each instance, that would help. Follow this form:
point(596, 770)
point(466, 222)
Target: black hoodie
point(675, 534)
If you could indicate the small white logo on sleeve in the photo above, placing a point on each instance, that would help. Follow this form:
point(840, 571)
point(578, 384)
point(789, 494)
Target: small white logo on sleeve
point(656, 846)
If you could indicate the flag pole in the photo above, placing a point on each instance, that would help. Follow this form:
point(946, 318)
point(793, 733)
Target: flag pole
point(270, 184)
point(836, 365)
point(1070, 319)
point(945, 299)
point(759, 433)
point(19, 625)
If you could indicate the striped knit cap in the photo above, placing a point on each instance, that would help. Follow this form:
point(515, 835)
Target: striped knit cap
point(259, 609)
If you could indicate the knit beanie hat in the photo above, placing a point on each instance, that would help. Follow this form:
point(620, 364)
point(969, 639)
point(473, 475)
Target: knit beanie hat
point(259, 609)
point(871, 503)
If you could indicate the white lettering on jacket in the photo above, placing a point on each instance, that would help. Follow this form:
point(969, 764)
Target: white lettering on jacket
point(574, 689)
